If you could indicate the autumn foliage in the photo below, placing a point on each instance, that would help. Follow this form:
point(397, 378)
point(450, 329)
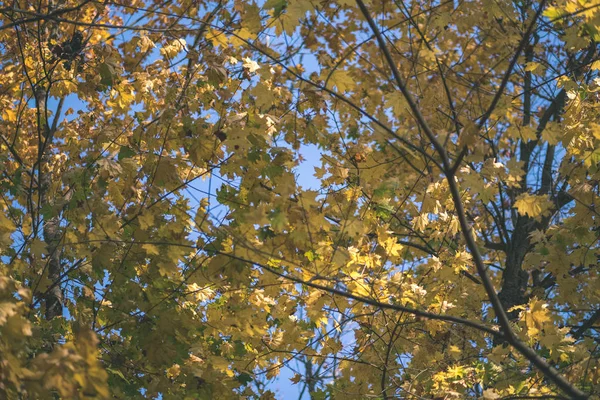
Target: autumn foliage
point(399, 197)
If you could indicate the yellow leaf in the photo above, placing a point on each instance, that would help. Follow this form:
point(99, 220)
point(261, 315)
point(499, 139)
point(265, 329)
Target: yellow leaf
point(469, 134)
point(146, 220)
point(174, 371)
point(528, 133)
point(519, 308)
point(274, 372)
point(392, 247)
point(251, 19)
point(173, 48)
point(296, 378)
point(553, 13)
point(536, 316)
point(294, 12)
point(342, 81)
point(38, 247)
point(7, 227)
point(552, 133)
point(457, 371)
point(151, 249)
point(218, 38)
point(532, 206)
point(221, 364)
point(397, 102)
point(109, 168)
point(455, 351)
point(358, 285)
point(532, 66)
point(420, 222)
point(9, 115)
point(64, 87)
point(251, 66)
point(145, 43)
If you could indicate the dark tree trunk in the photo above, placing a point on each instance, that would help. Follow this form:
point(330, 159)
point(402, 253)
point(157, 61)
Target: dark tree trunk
point(514, 279)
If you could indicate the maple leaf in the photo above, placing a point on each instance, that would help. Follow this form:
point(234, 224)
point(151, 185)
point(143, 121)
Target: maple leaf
point(251, 65)
point(536, 316)
point(531, 66)
point(160, 216)
point(532, 205)
point(170, 50)
point(342, 80)
point(296, 379)
point(392, 247)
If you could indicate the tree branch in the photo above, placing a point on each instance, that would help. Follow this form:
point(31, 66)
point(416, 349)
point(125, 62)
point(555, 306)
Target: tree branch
point(587, 324)
point(511, 337)
point(371, 302)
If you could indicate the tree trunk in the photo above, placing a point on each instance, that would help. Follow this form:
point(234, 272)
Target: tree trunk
point(514, 279)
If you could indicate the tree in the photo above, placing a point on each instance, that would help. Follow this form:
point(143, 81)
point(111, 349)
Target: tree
point(449, 250)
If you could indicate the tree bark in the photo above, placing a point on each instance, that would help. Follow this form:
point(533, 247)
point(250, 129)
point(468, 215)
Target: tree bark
point(54, 298)
point(514, 278)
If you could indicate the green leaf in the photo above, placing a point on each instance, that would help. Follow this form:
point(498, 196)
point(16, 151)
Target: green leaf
point(244, 378)
point(125, 152)
point(106, 75)
point(117, 373)
point(276, 5)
